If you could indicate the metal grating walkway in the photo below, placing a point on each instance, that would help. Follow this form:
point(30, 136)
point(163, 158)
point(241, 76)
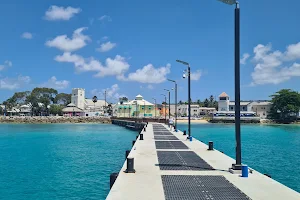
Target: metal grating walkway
point(165, 137)
point(177, 187)
point(181, 160)
point(163, 134)
point(170, 145)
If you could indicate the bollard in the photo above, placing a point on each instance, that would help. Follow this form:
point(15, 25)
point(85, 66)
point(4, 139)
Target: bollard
point(141, 137)
point(113, 177)
point(127, 152)
point(244, 171)
point(184, 132)
point(133, 142)
point(130, 165)
point(210, 146)
point(191, 138)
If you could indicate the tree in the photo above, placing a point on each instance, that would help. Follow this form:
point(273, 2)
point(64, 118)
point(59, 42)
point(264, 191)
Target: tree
point(62, 99)
point(285, 105)
point(211, 101)
point(56, 109)
point(46, 96)
point(95, 99)
point(206, 103)
point(198, 102)
point(1, 111)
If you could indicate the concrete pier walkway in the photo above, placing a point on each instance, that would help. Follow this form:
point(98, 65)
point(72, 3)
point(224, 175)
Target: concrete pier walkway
point(168, 166)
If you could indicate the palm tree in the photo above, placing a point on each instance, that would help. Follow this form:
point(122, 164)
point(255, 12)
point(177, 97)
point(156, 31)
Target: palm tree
point(95, 99)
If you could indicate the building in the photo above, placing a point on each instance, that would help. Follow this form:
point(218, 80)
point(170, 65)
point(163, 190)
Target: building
point(247, 108)
point(87, 105)
point(72, 110)
point(196, 110)
point(138, 107)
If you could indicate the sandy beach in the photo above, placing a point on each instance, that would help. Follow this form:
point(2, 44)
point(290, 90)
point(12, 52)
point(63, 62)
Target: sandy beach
point(194, 121)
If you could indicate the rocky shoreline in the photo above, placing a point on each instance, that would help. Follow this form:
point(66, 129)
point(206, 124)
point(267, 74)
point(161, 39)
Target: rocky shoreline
point(54, 120)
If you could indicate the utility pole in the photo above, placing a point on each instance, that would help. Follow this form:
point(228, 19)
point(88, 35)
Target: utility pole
point(105, 101)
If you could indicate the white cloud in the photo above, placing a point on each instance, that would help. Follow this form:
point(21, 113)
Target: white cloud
point(244, 58)
point(113, 67)
point(195, 76)
point(106, 47)
point(274, 67)
point(14, 83)
point(293, 52)
point(150, 87)
point(6, 64)
point(27, 35)
point(111, 93)
point(62, 42)
point(81, 64)
point(105, 18)
point(149, 74)
point(55, 13)
point(54, 83)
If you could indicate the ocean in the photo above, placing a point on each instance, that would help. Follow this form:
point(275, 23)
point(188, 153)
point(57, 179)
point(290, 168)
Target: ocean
point(60, 161)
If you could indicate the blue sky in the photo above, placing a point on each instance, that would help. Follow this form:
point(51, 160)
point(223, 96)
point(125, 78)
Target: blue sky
point(130, 47)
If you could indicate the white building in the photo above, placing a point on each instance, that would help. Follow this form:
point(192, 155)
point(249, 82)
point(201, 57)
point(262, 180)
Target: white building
point(196, 110)
point(87, 105)
point(259, 108)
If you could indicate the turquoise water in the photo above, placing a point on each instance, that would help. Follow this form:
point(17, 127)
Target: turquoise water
point(60, 161)
point(271, 149)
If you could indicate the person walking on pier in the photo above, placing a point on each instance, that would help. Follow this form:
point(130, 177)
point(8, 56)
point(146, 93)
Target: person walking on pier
point(171, 123)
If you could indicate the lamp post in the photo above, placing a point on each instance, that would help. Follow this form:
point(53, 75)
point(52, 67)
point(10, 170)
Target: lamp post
point(165, 107)
point(189, 94)
point(154, 106)
point(237, 165)
point(169, 103)
point(175, 102)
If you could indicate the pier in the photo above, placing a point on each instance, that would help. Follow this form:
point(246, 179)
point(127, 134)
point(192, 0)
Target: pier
point(168, 166)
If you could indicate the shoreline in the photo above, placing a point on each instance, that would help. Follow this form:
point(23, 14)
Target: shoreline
point(54, 120)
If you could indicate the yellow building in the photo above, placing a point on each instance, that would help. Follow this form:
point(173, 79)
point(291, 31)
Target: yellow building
point(138, 107)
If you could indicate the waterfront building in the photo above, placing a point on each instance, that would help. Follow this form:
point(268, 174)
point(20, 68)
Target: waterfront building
point(139, 107)
point(196, 110)
point(72, 110)
point(87, 105)
point(259, 108)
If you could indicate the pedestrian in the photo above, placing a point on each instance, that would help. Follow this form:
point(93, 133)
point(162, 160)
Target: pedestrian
point(171, 123)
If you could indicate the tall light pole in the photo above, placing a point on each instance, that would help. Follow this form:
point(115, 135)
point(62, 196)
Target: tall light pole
point(169, 103)
point(175, 102)
point(165, 107)
point(154, 106)
point(238, 164)
point(189, 94)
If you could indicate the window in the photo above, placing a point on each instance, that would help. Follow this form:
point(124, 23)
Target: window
point(223, 98)
point(231, 107)
point(74, 94)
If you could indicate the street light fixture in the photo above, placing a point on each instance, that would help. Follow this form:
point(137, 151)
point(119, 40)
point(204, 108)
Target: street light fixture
point(175, 102)
point(238, 164)
point(154, 106)
point(165, 107)
point(169, 103)
point(189, 94)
